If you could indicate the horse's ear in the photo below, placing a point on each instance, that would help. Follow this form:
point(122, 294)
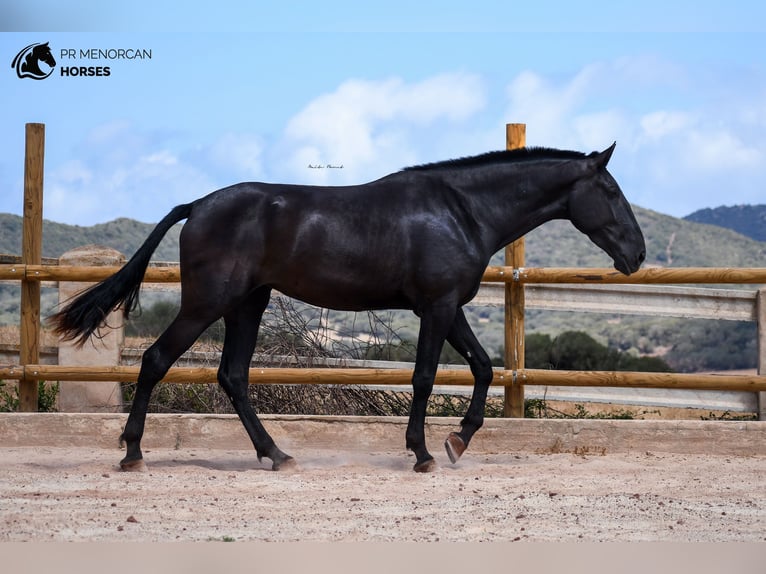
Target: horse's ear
point(598, 160)
point(603, 158)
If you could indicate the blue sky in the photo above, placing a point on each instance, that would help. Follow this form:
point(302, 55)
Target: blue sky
point(261, 91)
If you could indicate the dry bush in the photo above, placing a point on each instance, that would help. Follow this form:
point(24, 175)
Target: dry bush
point(289, 336)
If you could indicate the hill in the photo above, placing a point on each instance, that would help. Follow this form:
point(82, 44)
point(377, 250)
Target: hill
point(749, 220)
point(124, 235)
point(671, 242)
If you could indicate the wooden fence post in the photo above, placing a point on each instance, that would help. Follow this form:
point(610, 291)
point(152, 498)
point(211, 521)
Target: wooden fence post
point(760, 317)
point(515, 137)
point(31, 254)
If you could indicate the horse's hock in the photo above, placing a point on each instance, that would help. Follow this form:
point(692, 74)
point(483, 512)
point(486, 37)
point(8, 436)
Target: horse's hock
point(87, 397)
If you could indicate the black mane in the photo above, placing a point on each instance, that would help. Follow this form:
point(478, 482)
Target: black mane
point(493, 157)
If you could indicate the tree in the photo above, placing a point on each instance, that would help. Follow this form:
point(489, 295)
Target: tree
point(537, 351)
point(578, 351)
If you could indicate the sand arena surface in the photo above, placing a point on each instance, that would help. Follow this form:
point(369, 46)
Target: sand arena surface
point(195, 494)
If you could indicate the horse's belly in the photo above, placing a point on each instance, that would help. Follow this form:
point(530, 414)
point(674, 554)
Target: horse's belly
point(345, 298)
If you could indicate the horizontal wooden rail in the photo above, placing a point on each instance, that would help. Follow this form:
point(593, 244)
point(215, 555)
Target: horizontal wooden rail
point(494, 274)
point(689, 381)
point(341, 376)
point(651, 275)
point(85, 273)
point(271, 375)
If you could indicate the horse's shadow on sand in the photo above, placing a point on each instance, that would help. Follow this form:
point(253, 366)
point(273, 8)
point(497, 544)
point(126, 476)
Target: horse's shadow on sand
point(233, 464)
point(247, 463)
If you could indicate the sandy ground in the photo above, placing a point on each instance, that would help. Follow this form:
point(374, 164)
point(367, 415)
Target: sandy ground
point(79, 494)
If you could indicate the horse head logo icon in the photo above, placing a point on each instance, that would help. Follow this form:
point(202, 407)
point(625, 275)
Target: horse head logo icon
point(27, 61)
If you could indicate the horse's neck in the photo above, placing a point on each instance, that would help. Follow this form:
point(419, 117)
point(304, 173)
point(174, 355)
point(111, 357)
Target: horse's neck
point(513, 200)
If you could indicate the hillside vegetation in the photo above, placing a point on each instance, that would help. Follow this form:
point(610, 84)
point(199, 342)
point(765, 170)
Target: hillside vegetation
point(688, 345)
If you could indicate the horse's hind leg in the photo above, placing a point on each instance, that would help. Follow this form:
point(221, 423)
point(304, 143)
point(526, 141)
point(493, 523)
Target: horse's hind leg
point(242, 325)
point(157, 359)
point(462, 338)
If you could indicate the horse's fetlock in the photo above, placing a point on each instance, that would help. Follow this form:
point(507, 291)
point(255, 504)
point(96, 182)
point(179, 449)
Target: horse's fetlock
point(472, 424)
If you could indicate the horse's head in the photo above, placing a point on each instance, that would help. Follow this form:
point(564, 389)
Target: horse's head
point(598, 208)
point(42, 53)
point(27, 62)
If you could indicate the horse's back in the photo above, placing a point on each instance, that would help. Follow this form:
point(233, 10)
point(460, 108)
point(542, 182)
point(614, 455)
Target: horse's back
point(379, 245)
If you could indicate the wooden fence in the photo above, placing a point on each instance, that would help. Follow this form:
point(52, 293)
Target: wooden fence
point(514, 276)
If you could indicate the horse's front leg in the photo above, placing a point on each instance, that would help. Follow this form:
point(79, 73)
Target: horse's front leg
point(434, 326)
point(462, 338)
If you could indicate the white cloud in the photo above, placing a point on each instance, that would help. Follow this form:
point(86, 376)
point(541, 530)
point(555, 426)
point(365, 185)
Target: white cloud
point(109, 132)
point(685, 141)
point(548, 108)
point(662, 123)
point(125, 173)
point(373, 127)
point(596, 105)
point(75, 172)
point(596, 131)
point(678, 146)
point(240, 153)
point(720, 150)
point(162, 158)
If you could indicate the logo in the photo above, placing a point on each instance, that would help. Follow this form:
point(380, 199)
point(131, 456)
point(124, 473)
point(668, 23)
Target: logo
point(27, 62)
point(36, 61)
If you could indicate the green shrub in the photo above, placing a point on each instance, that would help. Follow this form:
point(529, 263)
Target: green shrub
point(47, 395)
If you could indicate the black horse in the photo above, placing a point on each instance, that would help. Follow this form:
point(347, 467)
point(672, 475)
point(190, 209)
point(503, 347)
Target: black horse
point(417, 239)
point(27, 62)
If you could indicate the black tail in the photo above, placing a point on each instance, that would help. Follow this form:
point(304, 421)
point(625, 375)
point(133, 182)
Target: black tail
point(84, 315)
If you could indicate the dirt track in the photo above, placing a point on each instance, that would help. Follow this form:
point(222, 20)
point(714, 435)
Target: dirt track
point(76, 494)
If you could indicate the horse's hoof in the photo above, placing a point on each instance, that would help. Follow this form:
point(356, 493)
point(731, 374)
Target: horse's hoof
point(455, 447)
point(133, 465)
point(285, 465)
point(425, 466)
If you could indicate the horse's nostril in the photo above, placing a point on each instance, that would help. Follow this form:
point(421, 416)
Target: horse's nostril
point(641, 257)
